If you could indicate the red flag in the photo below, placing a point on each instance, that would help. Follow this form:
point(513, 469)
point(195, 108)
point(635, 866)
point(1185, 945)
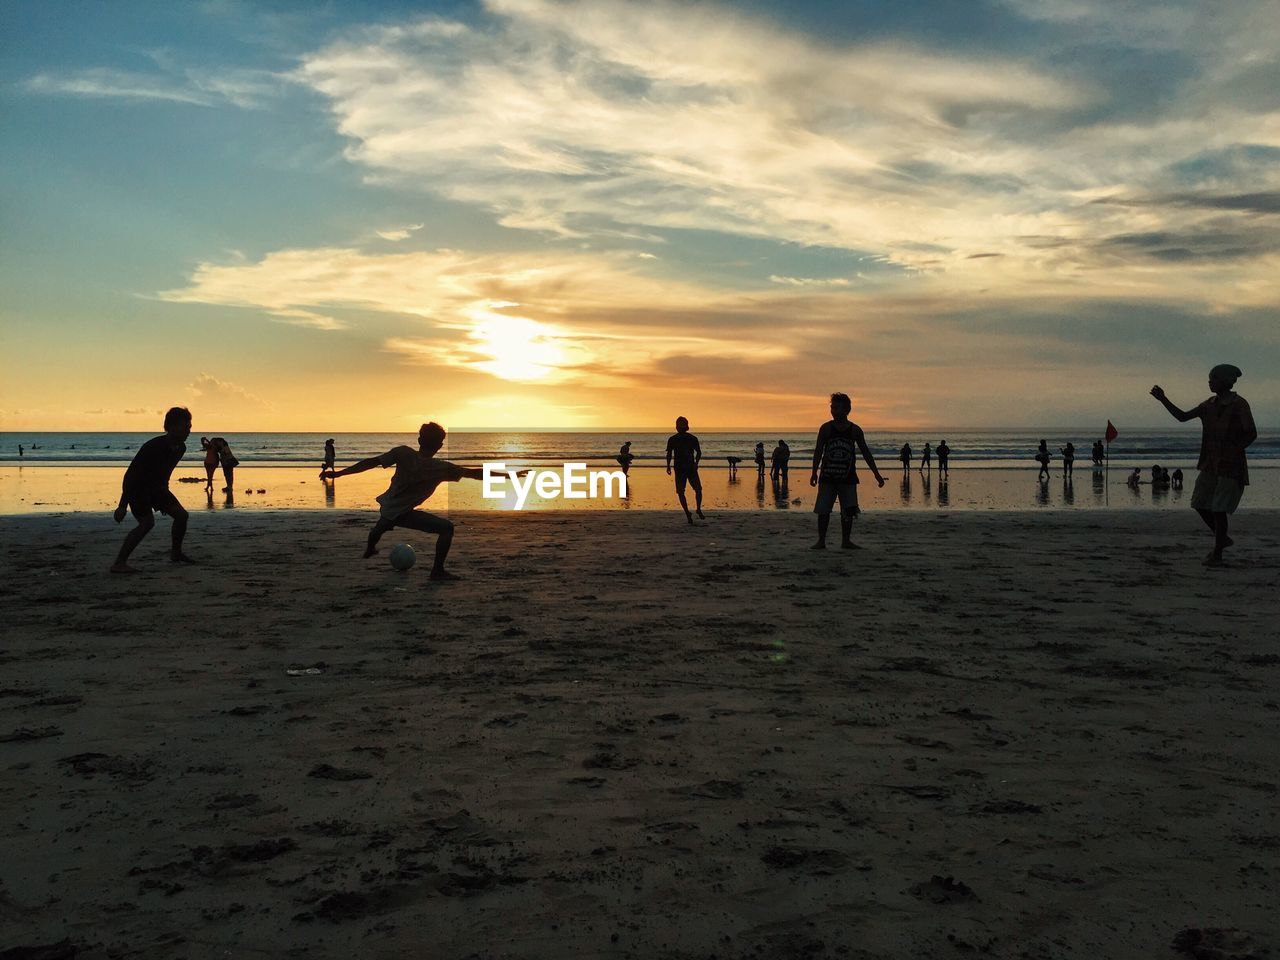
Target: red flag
point(1112, 432)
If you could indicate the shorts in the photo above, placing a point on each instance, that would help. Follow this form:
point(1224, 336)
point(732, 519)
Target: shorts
point(690, 476)
point(143, 505)
point(420, 520)
point(828, 493)
point(1215, 493)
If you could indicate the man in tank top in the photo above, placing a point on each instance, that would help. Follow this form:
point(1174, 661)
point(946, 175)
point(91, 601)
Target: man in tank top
point(835, 471)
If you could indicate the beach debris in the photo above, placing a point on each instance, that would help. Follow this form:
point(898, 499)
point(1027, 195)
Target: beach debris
point(1218, 943)
point(297, 670)
point(943, 890)
point(24, 734)
point(325, 771)
point(262, 491)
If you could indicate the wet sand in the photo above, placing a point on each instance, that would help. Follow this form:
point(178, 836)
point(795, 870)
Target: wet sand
point(1021, 735)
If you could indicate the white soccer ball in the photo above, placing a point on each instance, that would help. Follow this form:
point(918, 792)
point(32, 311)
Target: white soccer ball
point(402, 556)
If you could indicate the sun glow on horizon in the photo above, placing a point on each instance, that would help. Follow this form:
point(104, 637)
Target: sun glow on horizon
point(519, 349)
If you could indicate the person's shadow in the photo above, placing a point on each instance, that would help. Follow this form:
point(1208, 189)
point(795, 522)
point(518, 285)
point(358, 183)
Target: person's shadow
point(944, 499)
point(905, 490)
point(1068, 492)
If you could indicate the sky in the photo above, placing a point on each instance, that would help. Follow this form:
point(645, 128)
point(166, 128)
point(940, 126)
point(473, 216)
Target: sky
point(541, 214)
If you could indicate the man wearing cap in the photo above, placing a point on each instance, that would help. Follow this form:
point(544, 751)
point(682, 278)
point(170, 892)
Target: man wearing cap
point(1227, 430)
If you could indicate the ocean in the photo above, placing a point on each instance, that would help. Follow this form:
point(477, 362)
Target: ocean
point(970, 449)
point(990, 470)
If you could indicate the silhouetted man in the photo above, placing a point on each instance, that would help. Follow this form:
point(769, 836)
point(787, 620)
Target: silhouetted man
point(835, 471)
point(418, 473)
point(685, 452)
point(146, 489)
point(1226, 430)
point(943, 452)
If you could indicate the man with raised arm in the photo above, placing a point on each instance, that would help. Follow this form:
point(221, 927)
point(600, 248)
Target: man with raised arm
point(1227, 429)
point(835, 471)
point(418, 473)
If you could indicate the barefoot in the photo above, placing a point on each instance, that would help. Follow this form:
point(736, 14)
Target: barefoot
point(849, 545)
point(700, 514)
point(1213, 560)
point(689, 517)
point(180, 558)
point(1228, 543)
point(819, 546)
point(443, 575)
point(369, 552)
point(123, 568)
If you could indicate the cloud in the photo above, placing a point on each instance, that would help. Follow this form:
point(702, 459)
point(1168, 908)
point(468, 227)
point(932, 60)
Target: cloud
point(135, 411)
point(809, 281)
point(579, 119)
point(605, 119)
point(402, 233)
point(222, 393)
point(246, 89)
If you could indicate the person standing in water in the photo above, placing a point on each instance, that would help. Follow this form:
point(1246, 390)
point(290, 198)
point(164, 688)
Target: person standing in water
point(330, 456)
point(835, 473)
point(625, 456)
point(760, 458)
point(926, 459)
point(210, 449)
point(684, 450)
point(1068, 459)
point(1227, 430)
point(145, 490)
point(943, 453)
point(1043, 457)
point(905, 456)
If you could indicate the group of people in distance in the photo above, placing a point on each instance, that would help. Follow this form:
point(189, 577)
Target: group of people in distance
point(1043, 457)
point(1161, 479)
point(926, 458)
point(1227, 430)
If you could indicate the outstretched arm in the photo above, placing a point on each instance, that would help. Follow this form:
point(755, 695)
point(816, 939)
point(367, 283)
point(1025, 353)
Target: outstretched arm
point(871, 461)
point(1182, 416)
point(477, 473)
point(358, 467)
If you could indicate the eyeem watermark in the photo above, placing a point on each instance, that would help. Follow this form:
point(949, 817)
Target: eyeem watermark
point(573, 481)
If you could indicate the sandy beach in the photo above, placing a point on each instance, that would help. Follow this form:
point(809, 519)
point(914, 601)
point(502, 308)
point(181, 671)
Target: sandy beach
point(1012, 735)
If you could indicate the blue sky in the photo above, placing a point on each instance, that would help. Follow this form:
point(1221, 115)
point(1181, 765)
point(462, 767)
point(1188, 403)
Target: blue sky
point(534, 213)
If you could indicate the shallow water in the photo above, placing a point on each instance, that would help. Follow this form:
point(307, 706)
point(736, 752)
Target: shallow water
point(58, 488)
